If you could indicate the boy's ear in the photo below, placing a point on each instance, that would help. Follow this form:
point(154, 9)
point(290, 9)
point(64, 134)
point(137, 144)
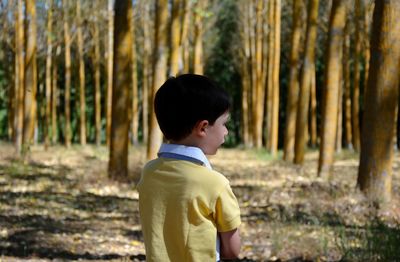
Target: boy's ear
point(200, 128)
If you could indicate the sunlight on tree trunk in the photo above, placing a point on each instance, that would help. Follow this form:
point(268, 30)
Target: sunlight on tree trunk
point(293, 88)
point(305, 80)
point(134, 89)
point(30, 74)
point(273, 149)
point(331, 88)
point(110, 58)
point(356, 82)
point(82, 98)
point(159, 74)
point(375, 169)
point(198, 63)
point(175, 38)
point(67, 92)
point(19, 77)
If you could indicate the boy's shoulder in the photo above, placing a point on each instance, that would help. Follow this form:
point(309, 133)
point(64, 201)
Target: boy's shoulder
point(197, 172)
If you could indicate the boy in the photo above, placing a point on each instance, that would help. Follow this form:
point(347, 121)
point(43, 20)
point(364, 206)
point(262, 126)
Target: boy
point(188, 211)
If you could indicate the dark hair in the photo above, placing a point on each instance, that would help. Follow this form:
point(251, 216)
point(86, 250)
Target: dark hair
point(184, 100)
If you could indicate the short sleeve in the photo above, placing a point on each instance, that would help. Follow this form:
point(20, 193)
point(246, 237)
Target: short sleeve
point(227, 211)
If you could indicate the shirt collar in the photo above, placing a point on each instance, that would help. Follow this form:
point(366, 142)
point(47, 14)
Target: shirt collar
point(190, 153)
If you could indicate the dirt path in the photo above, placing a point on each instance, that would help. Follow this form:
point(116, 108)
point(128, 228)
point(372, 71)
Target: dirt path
point(60, 205)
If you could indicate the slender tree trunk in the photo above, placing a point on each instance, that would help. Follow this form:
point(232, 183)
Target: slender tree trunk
point(97, 92)
point(30, 74)
point(67, 109)
point(347, 88)
point(198, 62)
point(48, 73)
point(159, 73)
point(245, 61)
point(175, 38)
point(313, 108)
point(110, 57)
point(339, 130)
point(356, 84)
point(187, 6)
point(293, 88)
point(270, 69)
point(147, 72)
point(134, 91)
point(82, 99)
point(305, 80)
point(54, 102)
point(275, 78)
point(19, 77)
point(122, 75)
point(375, 169)
point(331, 88)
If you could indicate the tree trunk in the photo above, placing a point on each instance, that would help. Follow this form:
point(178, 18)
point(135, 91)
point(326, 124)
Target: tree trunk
point(159, 73)
point(187, 6)
point(147, 71)
point(175, 38)
point(198, 62)
point(67, 109)
point(48, 74)
point(313, 108)
point(356, 84)
point(347, 88)
point(54, 101)
point(375, 169)
point(97, 89)
point(122, 76)
point(134, 89)
point(293, 88)
point(275, 78)
point(305, 80)
point(331, 87)
point(19, 77)
point(30, 74)
point(82, 99)
point(110, 57)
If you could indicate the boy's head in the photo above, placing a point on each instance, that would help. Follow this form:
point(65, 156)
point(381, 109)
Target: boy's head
point(183, 101)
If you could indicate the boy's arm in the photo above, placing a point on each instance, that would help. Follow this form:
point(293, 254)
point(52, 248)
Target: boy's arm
point(230, 244)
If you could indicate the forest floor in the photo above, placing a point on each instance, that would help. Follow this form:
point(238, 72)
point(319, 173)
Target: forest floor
point(59, 205)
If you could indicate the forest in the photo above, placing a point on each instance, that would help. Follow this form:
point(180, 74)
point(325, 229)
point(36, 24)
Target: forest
point(312, 151)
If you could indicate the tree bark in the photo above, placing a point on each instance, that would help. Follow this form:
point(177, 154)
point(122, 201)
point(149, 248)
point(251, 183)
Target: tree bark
point(331, 87)
point(30, 74)
point(97, 89)
point(48, 74)
point(175, 38)
point(305, 80)
point(67, 92)
point(110, 57)
point(375, 169)
point(54, 101)
point(293, 88)
point(356, 84)
point(134, 89)
point(198, 62)
point(82, 97)
point(159, 73)
point(122, 76)
point(147, 71)
point(347, 88)
point(19, 78)
point(275, 78)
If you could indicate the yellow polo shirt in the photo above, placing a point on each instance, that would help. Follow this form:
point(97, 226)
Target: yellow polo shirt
point(182, 206)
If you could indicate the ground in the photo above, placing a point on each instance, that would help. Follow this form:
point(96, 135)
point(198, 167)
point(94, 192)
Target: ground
point(58, 204)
